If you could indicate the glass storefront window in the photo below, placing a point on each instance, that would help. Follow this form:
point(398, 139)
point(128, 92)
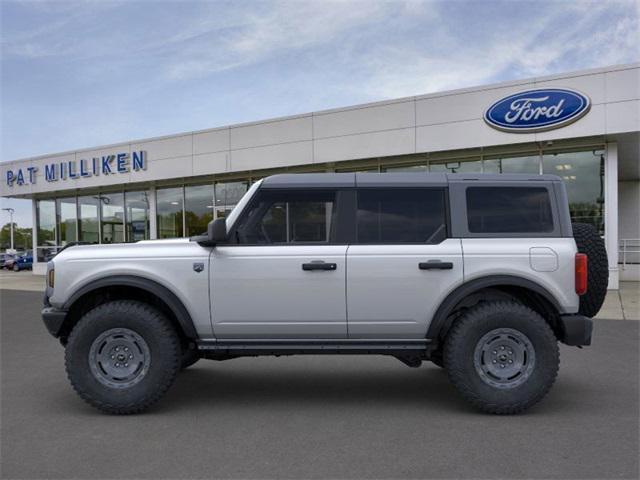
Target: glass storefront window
point(136, 216)
point(227, 195)
point(407, 168)
point(198, 208)
point(67, 220)
point(363, 169)
point(583, 175)
point(462, 166)
point(169, 212)
point(112, 217)
point(46, 229)
point(88, 227)
point(528, 164)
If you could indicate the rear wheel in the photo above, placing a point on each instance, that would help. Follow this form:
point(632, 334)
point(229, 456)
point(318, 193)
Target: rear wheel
point(122, 356)
point(590, 243)
point(502, 357)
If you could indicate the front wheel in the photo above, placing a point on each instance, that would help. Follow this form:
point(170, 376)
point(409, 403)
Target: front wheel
point(16, 268)
point(502, 357)
point(122, 356)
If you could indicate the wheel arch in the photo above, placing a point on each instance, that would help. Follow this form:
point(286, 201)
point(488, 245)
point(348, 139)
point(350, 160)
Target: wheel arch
point(131, 287)
point(472, 292)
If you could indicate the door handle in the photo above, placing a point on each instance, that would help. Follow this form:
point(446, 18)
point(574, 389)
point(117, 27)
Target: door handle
point(435, 265)
point(318, 265)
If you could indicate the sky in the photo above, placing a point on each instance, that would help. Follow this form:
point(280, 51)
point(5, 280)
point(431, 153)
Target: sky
point(86, 73)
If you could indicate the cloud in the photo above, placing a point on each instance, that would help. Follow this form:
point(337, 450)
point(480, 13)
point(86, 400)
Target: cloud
point(285, 27)
point(556, 40)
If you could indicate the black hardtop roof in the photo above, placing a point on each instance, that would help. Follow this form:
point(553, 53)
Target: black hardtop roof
point(400, 179)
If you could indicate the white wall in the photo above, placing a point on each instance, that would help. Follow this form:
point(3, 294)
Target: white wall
point(428, 123)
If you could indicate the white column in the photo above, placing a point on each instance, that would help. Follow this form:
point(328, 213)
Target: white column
point(153, 224)
point(611, 212)
point(38, 268)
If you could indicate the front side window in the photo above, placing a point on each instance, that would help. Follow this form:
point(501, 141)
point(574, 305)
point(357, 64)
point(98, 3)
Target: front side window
point(288, 217)
point(509, 210)
point(401, 216)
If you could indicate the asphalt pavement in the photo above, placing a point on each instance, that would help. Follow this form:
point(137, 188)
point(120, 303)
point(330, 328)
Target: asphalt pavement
point(316, 417)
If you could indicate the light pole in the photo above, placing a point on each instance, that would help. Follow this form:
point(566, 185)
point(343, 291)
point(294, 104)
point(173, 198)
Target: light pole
point(11, 212)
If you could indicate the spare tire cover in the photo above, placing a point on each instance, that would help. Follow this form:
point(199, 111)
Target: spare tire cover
point(589, 242)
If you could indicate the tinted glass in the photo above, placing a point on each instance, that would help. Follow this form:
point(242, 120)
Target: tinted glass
point(46, 228)
point(67, 213)
point(227, 195)
point(88, 219)
point(452, 166)
point(401, 216)
point(529, 164)
point(509, 210)
point(112, 217)
point(288, 217)
point(137, 216)
point(169, 206)
point(583, 175)
point(198, 208)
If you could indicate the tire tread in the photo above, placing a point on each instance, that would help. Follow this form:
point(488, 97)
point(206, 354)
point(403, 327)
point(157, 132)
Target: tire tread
point(164, 329)
point(478, 317)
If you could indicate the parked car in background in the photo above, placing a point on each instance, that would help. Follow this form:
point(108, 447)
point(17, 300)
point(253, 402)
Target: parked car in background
point(23, 262)
point(6, 258)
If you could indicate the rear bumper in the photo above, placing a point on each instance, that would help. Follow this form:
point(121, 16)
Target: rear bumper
point(576, 330)
point(53, 319)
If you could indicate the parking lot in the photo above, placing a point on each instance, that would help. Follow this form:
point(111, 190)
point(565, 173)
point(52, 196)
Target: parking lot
point(316, 417)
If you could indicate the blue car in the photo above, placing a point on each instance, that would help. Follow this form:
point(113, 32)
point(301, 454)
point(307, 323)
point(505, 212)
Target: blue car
point(23, 262)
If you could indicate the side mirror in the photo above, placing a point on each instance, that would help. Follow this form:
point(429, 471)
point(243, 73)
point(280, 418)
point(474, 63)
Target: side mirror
point(217, 231)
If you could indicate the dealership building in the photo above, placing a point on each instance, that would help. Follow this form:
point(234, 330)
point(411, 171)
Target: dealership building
point(582, 126)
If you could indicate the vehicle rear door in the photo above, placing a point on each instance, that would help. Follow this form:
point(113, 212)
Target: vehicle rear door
point(402, 263)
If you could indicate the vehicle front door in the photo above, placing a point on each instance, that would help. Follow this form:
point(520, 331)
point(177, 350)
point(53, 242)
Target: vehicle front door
point(282, 274)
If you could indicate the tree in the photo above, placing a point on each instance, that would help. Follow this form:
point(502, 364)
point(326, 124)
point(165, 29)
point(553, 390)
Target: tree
point(22, 237)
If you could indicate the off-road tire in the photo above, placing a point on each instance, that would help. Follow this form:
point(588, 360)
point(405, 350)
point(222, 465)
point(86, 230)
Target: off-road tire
point(589, 242)
point(189, 357)
point(158, 334)
point(469, 330)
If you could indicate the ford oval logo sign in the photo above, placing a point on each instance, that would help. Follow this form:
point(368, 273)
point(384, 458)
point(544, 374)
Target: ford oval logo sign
point(537, 110)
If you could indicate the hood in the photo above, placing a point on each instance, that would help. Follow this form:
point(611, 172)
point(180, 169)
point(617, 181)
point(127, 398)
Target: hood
point(174, 247)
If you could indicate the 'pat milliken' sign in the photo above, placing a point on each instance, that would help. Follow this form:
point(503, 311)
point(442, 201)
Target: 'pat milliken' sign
point(73, 169)
point(537, 110)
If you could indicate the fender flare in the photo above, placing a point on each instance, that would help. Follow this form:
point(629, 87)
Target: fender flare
point(163, 293)
point(439, 322)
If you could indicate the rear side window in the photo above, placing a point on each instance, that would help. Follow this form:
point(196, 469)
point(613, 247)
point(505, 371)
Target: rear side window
point(509, 210)
point(401, 216)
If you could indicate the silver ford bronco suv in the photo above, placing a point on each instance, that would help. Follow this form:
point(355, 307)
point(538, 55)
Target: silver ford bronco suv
point(480, 274)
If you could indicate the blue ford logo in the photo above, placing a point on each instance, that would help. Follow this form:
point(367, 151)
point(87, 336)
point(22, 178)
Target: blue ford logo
point(537, 110)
